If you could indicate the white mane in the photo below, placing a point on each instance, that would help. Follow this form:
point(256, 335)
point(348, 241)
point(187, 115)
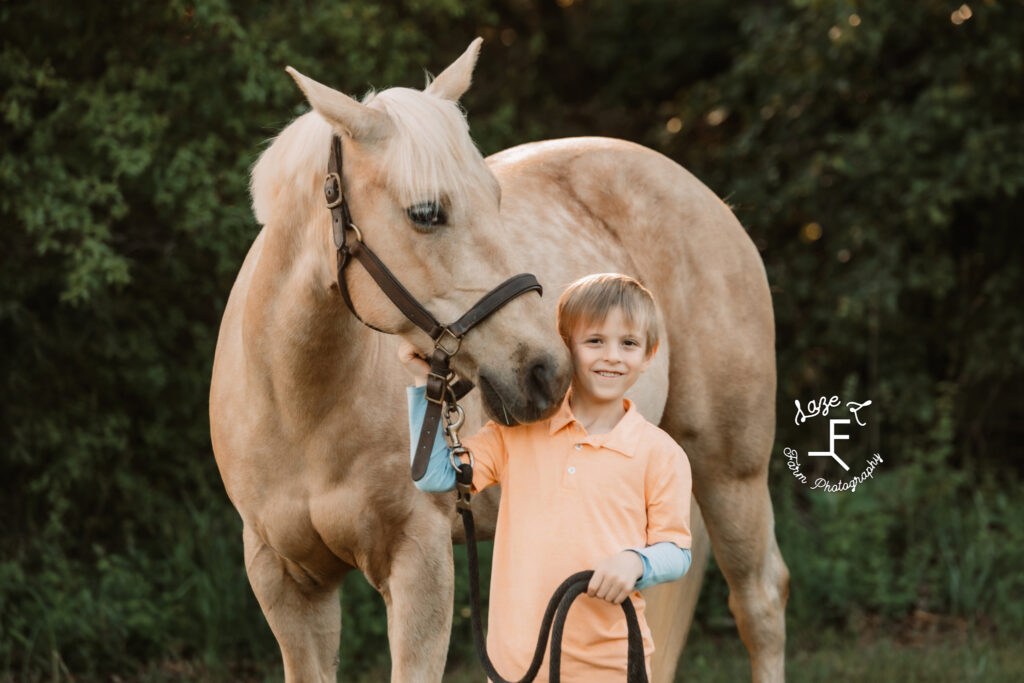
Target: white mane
point(431, 153)
point(428, 156)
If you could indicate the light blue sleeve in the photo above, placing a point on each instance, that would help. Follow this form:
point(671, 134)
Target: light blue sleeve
point(663, 562)
point(439, 475)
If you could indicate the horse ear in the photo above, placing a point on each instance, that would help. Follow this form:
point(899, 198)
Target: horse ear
point(454, 81)
point(361, 122)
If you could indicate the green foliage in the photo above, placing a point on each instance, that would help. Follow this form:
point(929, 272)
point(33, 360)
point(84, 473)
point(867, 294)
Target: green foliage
point(118, 610)
point(896, 133)
point(127, 133)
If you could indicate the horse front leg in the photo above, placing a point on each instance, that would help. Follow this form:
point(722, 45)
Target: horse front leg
point(304, 615)
point(418, 592)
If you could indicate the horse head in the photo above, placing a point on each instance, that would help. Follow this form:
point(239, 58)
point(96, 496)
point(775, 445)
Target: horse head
point(426, 202)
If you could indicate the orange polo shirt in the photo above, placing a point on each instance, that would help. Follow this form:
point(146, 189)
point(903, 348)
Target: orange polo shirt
point(568, 501)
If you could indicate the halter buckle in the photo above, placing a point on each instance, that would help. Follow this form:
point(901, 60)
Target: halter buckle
point(438, 342)
point(445, 389)
point(332, 188)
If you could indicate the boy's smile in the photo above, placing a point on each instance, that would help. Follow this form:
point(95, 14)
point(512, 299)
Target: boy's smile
point(608, 357)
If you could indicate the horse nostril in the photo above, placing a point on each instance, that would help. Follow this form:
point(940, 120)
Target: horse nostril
point(539, 383)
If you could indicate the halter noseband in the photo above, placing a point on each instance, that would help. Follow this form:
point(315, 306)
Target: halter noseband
point(447, 338)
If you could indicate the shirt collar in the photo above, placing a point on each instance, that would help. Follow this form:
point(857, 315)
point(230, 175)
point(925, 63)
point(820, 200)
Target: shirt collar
point(623, 438)
point(562, 417)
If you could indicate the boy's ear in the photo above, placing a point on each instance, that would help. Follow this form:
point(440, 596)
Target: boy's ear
point(649, 358)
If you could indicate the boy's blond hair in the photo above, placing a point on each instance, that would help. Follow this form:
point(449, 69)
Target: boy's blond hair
point(591, 299)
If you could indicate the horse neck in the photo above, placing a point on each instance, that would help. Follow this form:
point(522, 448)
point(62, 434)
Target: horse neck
point(302, 336)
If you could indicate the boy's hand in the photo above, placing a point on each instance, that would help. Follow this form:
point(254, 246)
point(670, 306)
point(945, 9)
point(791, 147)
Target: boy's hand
point(414, 363)
point(615, 577)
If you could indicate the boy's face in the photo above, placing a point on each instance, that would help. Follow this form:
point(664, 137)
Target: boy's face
point(608, 357)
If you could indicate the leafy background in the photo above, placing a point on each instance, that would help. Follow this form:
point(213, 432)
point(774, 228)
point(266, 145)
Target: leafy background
point(873, 150)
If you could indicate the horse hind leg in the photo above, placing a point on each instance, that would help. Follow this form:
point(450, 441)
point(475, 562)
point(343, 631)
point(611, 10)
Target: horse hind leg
point(304, 617)
point(670, 606)
point(741, 523)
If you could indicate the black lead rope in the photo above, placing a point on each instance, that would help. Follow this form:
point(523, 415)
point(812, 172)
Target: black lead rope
point(555, 613)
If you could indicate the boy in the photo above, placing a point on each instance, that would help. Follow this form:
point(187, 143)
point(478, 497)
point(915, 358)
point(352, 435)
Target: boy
point(595, 486)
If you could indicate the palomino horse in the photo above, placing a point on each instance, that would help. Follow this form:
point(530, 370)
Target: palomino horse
point(307, 408)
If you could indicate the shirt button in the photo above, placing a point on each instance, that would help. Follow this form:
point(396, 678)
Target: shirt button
point(572, 470)
point(579, 446)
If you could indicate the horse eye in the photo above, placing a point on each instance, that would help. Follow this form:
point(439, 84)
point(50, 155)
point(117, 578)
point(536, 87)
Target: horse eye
point(427, 215)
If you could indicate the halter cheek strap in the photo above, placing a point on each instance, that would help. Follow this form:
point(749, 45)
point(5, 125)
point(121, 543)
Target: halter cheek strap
point(442, 388)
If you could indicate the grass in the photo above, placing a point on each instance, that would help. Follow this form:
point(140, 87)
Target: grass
point(838, 657)
point(833, 656)
point(902, 653)
point(851, 658)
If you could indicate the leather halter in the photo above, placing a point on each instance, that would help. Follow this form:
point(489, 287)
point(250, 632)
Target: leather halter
point(447, 338)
